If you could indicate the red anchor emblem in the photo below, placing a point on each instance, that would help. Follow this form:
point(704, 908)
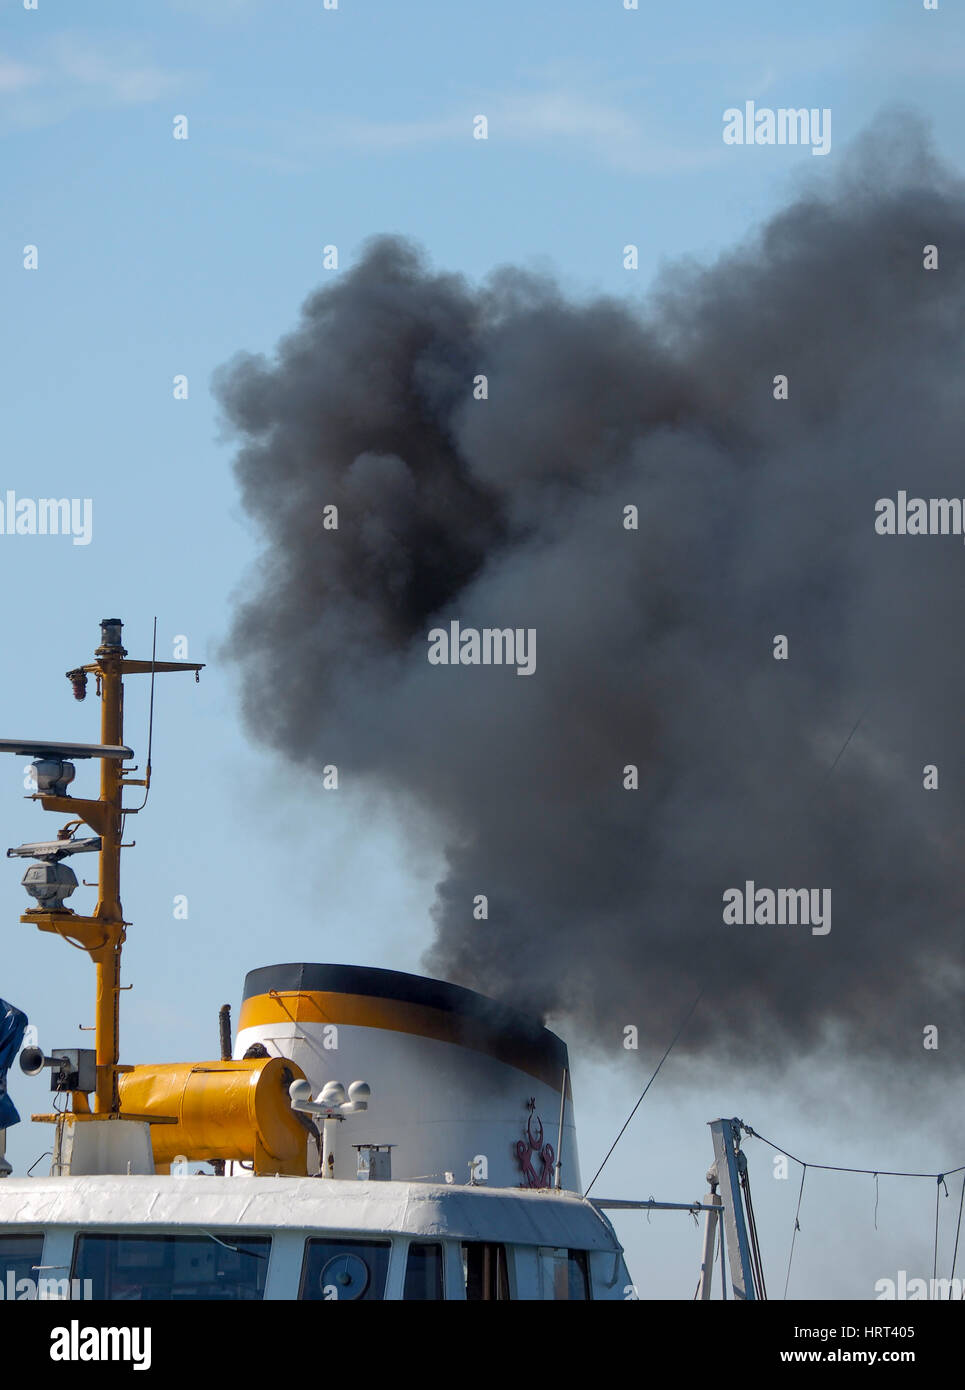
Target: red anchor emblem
point(533, 1146)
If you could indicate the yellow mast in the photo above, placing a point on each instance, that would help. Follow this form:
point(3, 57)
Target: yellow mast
point(103, 934)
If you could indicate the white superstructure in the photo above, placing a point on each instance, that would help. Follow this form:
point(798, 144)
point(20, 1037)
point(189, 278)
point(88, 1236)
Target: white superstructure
point(290, 1238)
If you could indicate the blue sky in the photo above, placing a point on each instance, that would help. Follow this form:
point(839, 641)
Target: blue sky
point(156, 257)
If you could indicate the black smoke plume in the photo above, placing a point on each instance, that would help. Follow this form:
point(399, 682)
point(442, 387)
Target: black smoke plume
point(654, 646)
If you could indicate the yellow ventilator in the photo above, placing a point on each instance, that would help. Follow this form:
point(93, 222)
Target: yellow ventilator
point(238, 1111)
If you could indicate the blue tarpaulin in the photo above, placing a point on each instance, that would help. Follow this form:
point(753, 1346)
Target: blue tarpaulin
point(12, 1025)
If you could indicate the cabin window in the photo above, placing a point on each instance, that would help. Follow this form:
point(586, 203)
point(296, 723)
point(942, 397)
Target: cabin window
point(423, 1272)
point(563, 1273)
point(226, 1266)
point(336, 1269)
point(484, 1266)
point(19, 1258)
point(578, 1274)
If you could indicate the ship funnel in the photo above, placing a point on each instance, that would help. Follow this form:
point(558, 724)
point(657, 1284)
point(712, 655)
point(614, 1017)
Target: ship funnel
point(455, 1082)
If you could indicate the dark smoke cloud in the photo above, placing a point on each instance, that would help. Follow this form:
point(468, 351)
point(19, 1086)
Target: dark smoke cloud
point(654, 647)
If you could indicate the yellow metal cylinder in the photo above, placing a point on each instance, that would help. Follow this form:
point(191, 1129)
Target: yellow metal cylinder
point(232, 1110)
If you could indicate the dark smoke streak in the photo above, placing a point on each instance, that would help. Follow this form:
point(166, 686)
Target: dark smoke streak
point(653, 647)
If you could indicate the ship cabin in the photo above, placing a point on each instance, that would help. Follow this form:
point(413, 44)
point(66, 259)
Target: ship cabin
point(203, 1237)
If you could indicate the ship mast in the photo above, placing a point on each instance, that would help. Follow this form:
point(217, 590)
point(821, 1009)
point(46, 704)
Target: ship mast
point(102, 935)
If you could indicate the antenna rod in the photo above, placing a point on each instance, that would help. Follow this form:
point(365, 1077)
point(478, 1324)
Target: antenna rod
point(150, 730)
point(150, 716)
point(559, 1144)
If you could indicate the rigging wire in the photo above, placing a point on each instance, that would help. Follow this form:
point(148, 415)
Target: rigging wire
point(757, 1263)
point(797, 1227)
point(838, 1168)
point(939, 1179)
point(961, 1202)
point(646, 1088)
point(844, 746)
point(938, 1189)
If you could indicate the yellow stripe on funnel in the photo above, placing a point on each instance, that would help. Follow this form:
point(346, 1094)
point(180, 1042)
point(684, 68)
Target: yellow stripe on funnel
point(395, 1016)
